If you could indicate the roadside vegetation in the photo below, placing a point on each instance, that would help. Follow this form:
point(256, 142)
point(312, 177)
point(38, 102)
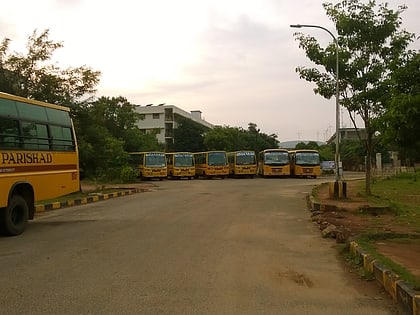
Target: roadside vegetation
point(401, 195)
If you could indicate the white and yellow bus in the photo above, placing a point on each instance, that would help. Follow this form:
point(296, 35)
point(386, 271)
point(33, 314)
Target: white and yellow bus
point(305, 163)
point(38, 158)
point(242, 163)
point(149, 165)
point(180, 165)
point(211, 164)
point(274, 162)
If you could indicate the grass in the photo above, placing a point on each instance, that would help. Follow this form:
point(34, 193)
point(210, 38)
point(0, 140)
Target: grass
point(402, 194)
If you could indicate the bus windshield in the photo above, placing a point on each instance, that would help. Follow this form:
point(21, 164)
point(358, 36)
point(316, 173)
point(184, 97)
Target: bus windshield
point(183, 160)
point(155, 159)
point(307, 158)
point(245, 158)
point(276, 158)
point(217, 158)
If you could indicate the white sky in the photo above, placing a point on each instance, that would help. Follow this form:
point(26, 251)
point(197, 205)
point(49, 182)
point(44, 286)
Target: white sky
point(234, 60)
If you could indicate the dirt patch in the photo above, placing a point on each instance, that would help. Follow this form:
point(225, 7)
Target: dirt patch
point(356, 216)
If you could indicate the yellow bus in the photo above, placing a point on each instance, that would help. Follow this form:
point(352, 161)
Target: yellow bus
point(180, 164)
point(211, 164)
point(242, 163)
point(305, 163)
point(38, 158)
point(273, 162)
point(149, 165)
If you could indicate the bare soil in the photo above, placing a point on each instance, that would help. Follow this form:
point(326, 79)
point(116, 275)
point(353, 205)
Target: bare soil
point(349, 216)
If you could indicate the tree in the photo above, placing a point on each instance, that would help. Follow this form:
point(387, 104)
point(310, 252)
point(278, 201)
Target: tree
point(226, 138)
point(107, 128)
point(400, 124)
point(32, 77)
point(371, 46)
point(234, 138)
point(311, 145)
point(189, 135)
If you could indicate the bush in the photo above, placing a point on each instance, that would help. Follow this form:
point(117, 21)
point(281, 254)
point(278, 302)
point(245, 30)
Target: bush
point(127, 174)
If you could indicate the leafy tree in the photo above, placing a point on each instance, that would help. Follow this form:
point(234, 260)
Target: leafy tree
point(371, 45)
point(226, 138)
point(400, 123)
point(29, 75)
point(311, 145)
point(234, 139)
point(101, 155)
point(120, 118)
point(189, 135)
point(326, 152)
point(105, 125)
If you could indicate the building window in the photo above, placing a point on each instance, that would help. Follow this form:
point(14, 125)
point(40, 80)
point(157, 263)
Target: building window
point(142, 116)
point(155, 116)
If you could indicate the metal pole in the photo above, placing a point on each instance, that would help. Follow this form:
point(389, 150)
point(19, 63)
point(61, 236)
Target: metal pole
point(337, 99)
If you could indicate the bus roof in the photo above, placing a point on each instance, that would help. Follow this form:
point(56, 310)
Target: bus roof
point(33, 102)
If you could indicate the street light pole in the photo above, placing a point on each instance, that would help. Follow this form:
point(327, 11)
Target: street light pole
point(337, 101)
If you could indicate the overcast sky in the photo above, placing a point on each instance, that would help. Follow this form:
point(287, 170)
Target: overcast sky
point(234, 60)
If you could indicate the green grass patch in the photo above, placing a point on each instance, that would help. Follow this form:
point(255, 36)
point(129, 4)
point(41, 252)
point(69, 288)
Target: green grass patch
point(400, 193)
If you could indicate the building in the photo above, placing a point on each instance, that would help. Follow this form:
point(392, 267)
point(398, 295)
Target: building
point(349, 134)
point(164, 119)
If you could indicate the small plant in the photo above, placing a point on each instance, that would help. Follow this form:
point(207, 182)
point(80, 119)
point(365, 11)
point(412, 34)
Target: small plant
point(127, 174)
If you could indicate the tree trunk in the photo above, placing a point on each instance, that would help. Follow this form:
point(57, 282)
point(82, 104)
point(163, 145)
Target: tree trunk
point(369, 153)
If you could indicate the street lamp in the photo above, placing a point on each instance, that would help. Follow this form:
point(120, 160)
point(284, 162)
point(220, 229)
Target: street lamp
point(337, 103)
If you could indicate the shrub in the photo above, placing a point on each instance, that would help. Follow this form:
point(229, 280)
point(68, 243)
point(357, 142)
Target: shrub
point(127, 174)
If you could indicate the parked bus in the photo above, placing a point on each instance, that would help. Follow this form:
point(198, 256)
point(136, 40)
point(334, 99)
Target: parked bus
point(305, 163)
point(180, 164)
point(149, 165)
point(38, 158)
point(242, 163)
point(211, 164)
point(274, 162)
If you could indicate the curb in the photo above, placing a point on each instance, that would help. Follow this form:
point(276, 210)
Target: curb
point(85, 200)
point(400, 291)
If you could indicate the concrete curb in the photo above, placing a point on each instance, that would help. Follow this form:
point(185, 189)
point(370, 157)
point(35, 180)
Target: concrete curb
point(401, 292)
point(86, 200)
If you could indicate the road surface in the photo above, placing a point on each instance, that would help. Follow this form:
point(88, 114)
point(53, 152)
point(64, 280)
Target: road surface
point(232, 246)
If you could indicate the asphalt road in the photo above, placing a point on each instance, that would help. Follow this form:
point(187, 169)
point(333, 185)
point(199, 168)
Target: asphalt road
point(233, 246)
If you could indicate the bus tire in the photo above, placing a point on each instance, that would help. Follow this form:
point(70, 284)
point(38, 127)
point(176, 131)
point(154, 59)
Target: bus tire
point(14, 218)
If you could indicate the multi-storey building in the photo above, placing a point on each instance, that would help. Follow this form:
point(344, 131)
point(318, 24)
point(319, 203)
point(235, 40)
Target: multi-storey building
point(164, 119)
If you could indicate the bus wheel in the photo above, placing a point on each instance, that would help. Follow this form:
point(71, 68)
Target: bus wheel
point(14, 218)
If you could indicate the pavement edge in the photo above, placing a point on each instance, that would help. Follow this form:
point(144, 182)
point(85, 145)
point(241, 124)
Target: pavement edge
point(85, 200)
point(400, 291)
